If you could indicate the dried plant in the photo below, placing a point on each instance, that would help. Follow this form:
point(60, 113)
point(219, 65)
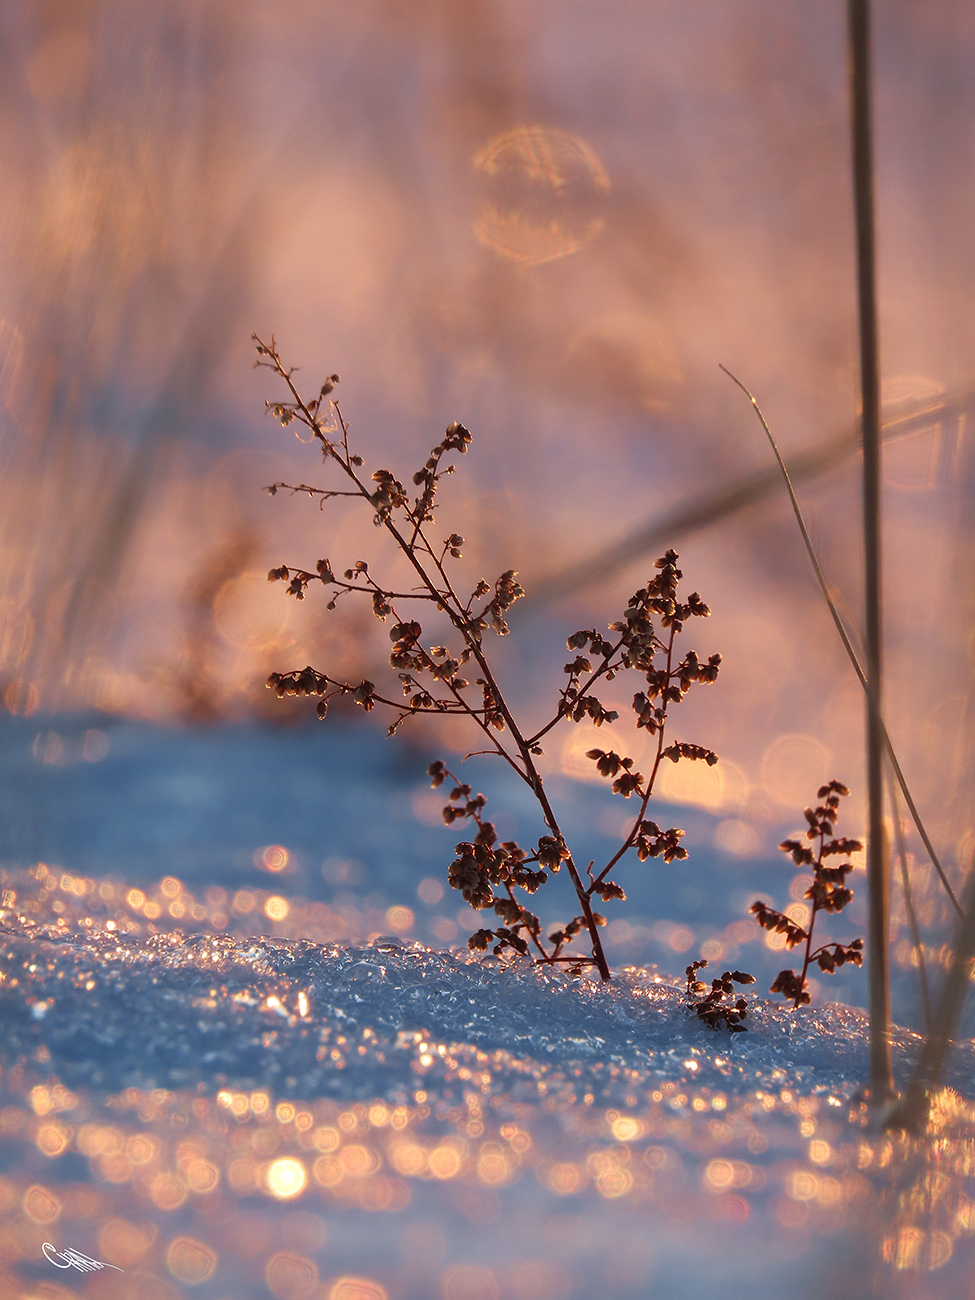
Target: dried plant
point(828, 892)
point(713, 1003)
point(432, 678)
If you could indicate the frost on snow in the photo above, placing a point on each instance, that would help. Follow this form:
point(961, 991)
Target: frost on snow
point(220, 1113)
point(205, 1010)
point(510, 1128)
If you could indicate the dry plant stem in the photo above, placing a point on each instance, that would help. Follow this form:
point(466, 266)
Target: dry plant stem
point(911, 1111)
point(709, 509)
point(848, 647)
point(912, 920)
point(809, 955)
point(448, 600)
point(486, 872)
point(828, 892)
point(631, 837)
point(878, 858)
point(529, 773)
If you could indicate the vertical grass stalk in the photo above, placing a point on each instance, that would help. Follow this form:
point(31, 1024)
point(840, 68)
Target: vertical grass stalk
point(911, 1111)
point(881, 1079)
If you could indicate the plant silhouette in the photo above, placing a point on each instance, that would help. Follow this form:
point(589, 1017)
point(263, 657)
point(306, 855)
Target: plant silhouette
point(453, 675)
point(712, 1003)
point(828, 892)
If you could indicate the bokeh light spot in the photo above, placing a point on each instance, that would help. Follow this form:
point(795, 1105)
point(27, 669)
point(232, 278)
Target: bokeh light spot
point(41, 1205)
point(736, 837)
point(399, 919)
point(286, 1178)
point(719, 1175)
point(357, 1288)
point(123, 1243)
point(469, 1282)
point(626, 1128)
point(191, 1261)
point(565, 1179)
point(273, 858)
point(289, 1276)
point(545, 192)
point(429, 890)
point(276, 908)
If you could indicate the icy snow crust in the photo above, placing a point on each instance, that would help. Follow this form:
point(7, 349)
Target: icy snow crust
point(435, 1126)
point(309, 1115)
point(175, 1011)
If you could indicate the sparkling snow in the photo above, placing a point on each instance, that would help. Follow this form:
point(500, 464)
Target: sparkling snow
point(219, 1090)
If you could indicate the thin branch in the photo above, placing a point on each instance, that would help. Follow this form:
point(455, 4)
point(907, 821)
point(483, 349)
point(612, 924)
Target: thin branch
point(306, 489)
point(661, 727)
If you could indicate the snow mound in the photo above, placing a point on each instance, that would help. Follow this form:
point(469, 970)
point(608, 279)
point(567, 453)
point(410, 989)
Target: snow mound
point(206, 1010)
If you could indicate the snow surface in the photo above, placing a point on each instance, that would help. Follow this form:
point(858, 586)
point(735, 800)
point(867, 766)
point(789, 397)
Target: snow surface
point(254, 1012)
point(221, 1112)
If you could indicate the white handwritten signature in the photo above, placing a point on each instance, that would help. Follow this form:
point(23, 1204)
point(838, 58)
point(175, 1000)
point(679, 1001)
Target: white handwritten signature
point(75, 1259)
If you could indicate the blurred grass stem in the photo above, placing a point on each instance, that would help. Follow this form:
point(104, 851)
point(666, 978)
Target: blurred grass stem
point(881, 1078)
point(912, 920)
point(912, 1110)
point(848, 646)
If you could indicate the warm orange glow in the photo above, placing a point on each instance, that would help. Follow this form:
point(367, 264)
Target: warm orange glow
point(792, 766)
point(202, 1176)
point(803, 1185)
point(167, 1191)
point(274, 858)
point(276, 908)
point(40, 1100)
point(243, 1175)
point(680, 938)
point(408, 1158)
point(190, 1261)
point(446, 1161)
point(143, 1148)
point(290, 1276)
point(820, 1153)
point(53, 1138)
point(719, 1175)
point(701, 786)
point(286, 1178)
point(41, 1205)
point(326, 1139)
point(356, 1288)
point(328, 1171)
point(399, 919)
point(359, 1160)
point(626, 1128)
point(124, 1243)
point(566, 1179)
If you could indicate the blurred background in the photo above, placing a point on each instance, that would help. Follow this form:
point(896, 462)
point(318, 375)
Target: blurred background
point(551, 222)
